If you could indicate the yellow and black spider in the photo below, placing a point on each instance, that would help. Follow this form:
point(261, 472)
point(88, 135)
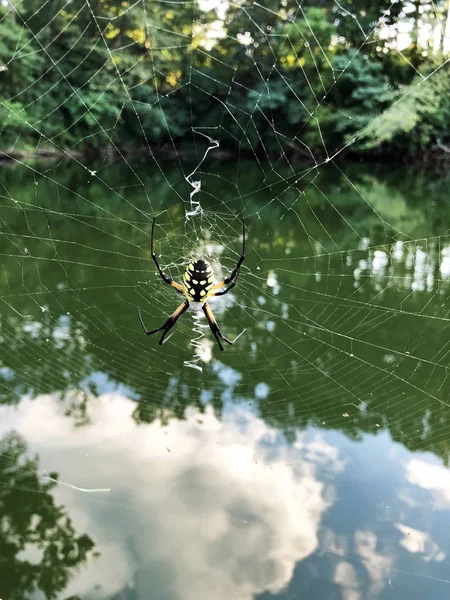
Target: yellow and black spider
point(198, 286)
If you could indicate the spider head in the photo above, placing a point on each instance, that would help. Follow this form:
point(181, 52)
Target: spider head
point(198, 279)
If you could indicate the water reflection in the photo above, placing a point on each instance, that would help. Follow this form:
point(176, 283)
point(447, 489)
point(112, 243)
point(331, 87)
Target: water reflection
point(196, 505)
point(432, 477)
point(39, 545)
point(348, 334)
point(202, 503)
point(405, 267)
point(295, 464)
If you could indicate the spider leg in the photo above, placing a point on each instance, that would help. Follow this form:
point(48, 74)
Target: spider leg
point(235, 273)
point(225, 291)
point(215, 328)
point(168, 324)
point(164, 277)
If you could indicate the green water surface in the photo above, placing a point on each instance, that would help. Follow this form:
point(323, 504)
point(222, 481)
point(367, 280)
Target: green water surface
point(309, 460)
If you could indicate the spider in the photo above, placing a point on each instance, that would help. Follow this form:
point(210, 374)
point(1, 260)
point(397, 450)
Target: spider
point(198, 286)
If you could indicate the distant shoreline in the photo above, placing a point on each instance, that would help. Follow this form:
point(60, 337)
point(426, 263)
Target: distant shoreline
point(434, 157)
point(11, 154)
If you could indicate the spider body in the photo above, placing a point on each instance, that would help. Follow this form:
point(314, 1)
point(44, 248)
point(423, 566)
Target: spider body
point(198, 281)
point(198, 286)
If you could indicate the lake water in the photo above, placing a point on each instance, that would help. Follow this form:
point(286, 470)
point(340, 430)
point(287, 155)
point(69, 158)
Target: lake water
point(308, 460)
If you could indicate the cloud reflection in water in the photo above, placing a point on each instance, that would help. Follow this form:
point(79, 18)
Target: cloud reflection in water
point(197, 505)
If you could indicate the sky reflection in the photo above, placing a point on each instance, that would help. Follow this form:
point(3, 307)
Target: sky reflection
point(196, 505)
point(204, 504)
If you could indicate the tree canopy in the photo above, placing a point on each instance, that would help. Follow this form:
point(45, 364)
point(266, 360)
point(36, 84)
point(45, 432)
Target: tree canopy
point(80, 76)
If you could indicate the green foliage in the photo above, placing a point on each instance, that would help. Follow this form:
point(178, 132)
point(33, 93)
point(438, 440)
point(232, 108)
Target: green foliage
point(13, 123)
point(416, 116)
point(90, 75)
point(356, 97)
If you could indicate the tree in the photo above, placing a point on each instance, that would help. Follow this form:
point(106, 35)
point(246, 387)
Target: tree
point(416, 116)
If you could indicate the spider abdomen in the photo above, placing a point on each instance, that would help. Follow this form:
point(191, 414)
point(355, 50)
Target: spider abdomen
point(198, 280)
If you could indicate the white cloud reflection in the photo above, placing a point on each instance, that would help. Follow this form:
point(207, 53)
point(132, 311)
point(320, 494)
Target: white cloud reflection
point(433, 477)
point(419, 542)
point(345, 576)
point(196, 506)
point(377, 563)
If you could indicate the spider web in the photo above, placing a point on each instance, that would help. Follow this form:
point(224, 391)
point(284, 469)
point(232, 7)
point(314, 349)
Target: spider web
point(344, 303)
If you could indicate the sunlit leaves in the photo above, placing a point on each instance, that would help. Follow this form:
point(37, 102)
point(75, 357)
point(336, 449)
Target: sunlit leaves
point(419, 111)
point(173, 77)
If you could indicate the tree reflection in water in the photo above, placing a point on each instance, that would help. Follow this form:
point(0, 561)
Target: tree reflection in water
point(39, 547)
